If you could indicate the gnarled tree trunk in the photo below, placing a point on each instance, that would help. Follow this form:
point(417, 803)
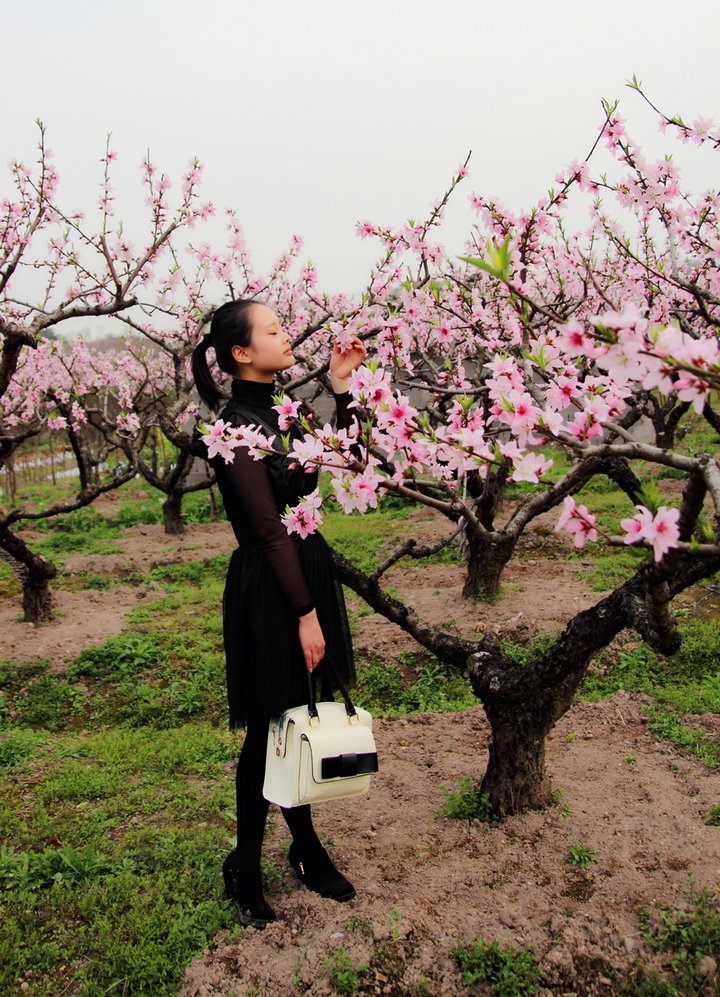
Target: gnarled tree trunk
point(486, 557)
point(172, 512)
point(515, 777)
point(34, 572)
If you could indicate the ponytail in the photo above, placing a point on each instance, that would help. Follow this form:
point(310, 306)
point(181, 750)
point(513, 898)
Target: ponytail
point(207, 389)
point(231, 326)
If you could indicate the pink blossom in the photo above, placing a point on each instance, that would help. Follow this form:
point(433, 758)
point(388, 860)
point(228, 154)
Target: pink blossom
point(574, 341)
point(308, 452)
point(287, 410)
point(636, 526)
point(129, 422)
point(304, 518)
point(577, 519)
point(530, 467)
point(370, 387)
point(258, 445)
point(661, 531)
point(219, 442)
point(222, 438)
point(357, 491)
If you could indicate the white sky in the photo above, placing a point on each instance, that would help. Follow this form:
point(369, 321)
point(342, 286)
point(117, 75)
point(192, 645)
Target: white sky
point(312, 115)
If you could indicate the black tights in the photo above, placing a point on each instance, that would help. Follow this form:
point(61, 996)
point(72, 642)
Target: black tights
point(252, 807)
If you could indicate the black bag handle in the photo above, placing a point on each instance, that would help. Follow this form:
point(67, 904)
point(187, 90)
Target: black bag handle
point(312, 706)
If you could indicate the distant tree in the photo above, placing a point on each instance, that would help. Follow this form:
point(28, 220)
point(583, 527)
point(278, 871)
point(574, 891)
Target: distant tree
point(80, 269)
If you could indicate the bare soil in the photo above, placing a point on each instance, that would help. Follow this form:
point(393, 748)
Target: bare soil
point(425, 882)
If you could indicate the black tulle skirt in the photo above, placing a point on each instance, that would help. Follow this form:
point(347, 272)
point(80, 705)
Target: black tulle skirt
point(266, 670)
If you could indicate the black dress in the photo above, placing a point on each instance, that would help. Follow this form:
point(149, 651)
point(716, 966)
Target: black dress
point(273, 577)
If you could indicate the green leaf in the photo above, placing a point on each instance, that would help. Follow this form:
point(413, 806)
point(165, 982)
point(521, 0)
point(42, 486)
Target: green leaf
point(498, 259)
point(650, 497)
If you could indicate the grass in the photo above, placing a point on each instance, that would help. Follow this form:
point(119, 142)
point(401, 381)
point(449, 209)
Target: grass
point(112, 872)
point(428, 685)
point(687, 682)
point(361, 538)
point(668, 726)
point(512, 972)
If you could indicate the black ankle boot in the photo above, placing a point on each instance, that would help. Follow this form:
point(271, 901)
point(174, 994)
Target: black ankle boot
point(317, 871)
point(245, 888)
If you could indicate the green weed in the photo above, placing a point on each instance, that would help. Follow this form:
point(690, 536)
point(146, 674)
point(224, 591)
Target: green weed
point(686, 936)
point(22, 873)
point(340, 971)
point(688, 682)
point(379, 685)
point(47, 702)
point(610, 568)
point(75, 780)
point(196, 573)
point(467, 802)
point(360, 538)
point(712, 817)
point(523, 654)
point(435, 686)
point(125, 655)
point(512, 972)
point(580, 856)
point(143, 513)
point(16, 746)
point(98, 582)
point(133, 888)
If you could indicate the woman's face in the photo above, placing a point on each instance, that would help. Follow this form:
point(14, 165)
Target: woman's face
point(269, 349)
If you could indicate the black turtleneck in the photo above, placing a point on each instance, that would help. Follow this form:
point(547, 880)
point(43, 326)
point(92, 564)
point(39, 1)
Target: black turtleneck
point(257, 394)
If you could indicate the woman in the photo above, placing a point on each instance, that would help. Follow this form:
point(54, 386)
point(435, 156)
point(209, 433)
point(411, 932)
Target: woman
point(283, 607)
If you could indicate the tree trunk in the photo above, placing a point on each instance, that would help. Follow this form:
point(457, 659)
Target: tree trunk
point(485, 558)
point(37, 597)
point(515, 778)
point(172, 513)
point(34, 573)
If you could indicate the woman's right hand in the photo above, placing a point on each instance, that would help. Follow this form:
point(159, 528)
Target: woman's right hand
point(311, 639)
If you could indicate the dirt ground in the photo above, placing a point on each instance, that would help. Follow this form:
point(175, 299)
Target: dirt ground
point(427, 883)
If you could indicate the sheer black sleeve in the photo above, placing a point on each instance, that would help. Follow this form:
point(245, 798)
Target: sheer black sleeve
point(248, 495)
point(344, 416)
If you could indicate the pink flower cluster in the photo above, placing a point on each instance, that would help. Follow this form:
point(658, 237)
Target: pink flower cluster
point(287, 410)
point(304, 518)
point(222, 439)
point(578, 520)
point(661, 530)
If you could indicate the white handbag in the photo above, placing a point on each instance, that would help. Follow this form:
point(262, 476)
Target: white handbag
point(322, 751)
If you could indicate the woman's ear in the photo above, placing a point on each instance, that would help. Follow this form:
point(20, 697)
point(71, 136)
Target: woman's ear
point(239, 354)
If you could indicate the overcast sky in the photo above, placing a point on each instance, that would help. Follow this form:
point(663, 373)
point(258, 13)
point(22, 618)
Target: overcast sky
point(311, 115)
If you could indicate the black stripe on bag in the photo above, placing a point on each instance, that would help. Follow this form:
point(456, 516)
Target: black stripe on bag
point(343, 766)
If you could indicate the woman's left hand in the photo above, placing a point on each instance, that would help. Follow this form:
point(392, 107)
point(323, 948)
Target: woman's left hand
point(344, 361)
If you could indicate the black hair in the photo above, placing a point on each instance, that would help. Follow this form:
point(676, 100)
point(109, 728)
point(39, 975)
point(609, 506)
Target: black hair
point(231, 326)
